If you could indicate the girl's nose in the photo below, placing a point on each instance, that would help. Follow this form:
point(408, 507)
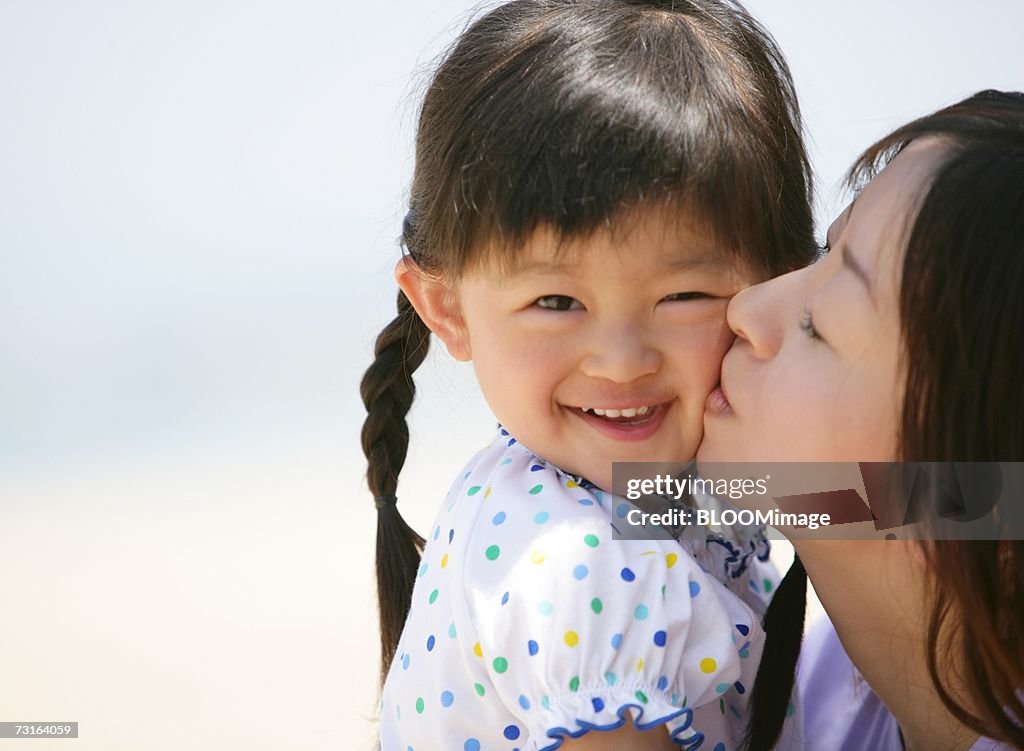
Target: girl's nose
point(758, 314)
point(621, 355)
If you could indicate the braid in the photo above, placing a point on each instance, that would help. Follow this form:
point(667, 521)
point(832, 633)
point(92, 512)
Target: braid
point(773, 686)
point(387, 390)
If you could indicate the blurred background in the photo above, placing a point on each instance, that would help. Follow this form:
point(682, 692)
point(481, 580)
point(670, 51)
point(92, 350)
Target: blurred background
point(198, 210)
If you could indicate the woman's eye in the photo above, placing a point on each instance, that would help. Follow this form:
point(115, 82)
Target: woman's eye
point(685, 296)
point(558, 302)
point(807, 324)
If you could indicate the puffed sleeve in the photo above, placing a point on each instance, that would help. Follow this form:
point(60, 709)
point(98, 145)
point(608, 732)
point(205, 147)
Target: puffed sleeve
point(574, 629)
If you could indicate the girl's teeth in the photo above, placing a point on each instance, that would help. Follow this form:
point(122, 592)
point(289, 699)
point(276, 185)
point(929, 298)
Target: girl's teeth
point(630, 412)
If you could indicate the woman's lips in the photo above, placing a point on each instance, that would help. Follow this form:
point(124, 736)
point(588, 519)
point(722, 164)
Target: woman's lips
point(635, 428)
point(716, 403)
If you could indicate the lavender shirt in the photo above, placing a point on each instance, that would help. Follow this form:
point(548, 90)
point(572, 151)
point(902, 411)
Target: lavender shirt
point(840, 711)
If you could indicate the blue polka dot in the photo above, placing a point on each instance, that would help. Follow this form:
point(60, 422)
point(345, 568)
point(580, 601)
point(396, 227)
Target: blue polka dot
point(533, 647)
point(719, 747)
point(499, 518)
point(430, 643)
point(627, 574)
point(586, 502)
point(451, 631)
point(541, 517)
point(524, 702)
point(504, 598)
point(437, 531)
point(472, 744)
point(423, 569)
point(641, 612)
point(743, 629)
point(405, 662)
point(740, 688)
point(660, 637)
point(580, 572)
point(598, 704)
point(447, 698)
point(546, 608)
point(662, 683)
point(694, 589)
point(451, 534)
point(511, 732)
point(621, 510)
point(616, 641)
point(610, 679)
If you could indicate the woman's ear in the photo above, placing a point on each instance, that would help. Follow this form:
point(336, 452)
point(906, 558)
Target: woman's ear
point(437, 305)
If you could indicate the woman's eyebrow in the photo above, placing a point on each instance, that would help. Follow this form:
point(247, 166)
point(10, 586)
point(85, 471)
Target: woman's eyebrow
point(850, 262)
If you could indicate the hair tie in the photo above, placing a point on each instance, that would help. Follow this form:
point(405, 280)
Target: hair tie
point(382, 501)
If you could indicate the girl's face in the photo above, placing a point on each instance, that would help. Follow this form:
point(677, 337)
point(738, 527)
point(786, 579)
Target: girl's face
point(605, 351)
point(814, 372)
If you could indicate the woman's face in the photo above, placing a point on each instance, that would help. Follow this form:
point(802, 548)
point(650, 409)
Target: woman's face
point(814, 372)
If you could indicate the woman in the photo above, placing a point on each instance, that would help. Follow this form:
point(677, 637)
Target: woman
point(903, 343)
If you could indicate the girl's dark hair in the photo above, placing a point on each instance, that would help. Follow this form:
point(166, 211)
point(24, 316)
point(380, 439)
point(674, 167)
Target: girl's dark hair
point(962, 317)
point(574, 114)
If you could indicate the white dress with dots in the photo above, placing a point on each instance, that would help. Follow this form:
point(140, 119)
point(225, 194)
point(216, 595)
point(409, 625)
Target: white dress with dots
point(530, 623)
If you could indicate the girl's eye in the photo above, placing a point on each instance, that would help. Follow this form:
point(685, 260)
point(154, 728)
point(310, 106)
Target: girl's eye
point(558, 302)
point(684, 296)
point(807, 324)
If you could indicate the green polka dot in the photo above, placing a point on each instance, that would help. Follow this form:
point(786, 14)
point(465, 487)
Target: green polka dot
point(536, 489)
point(767, 585)
point(433, 597)
point(492, 552)
point(574, 684)
point(596, 605)
point(419, 705)
point(479, 689)
point(592, 540)
point(641, 696)
point(500, 664)
point(546, 608)
point(473, 490)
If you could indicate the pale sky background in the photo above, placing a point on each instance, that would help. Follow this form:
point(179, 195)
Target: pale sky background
point(198, 207)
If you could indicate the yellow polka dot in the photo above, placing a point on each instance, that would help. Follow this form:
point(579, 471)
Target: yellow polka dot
point(707, 665)
point(572, 638)
point(487, 492)
point(640, 664)
point(649, 552)
point(480, 652)
point(670, 559)
point(537, 557)
point(444, 560)
point(571, 484)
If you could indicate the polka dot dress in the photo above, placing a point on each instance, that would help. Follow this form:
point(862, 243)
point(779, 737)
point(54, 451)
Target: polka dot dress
point(530, 624)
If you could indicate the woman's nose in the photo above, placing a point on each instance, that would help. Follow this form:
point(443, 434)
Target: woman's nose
point(622, 354)
point(758, 314)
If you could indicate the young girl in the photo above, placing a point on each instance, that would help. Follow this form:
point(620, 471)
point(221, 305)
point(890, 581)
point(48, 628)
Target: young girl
point(593, 181)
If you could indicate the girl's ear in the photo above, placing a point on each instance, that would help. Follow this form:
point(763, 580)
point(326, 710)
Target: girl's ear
point(437, 305)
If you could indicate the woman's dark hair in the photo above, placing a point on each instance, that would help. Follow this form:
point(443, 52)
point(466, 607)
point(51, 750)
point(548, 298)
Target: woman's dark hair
point(962, 317)
point(574, 114)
